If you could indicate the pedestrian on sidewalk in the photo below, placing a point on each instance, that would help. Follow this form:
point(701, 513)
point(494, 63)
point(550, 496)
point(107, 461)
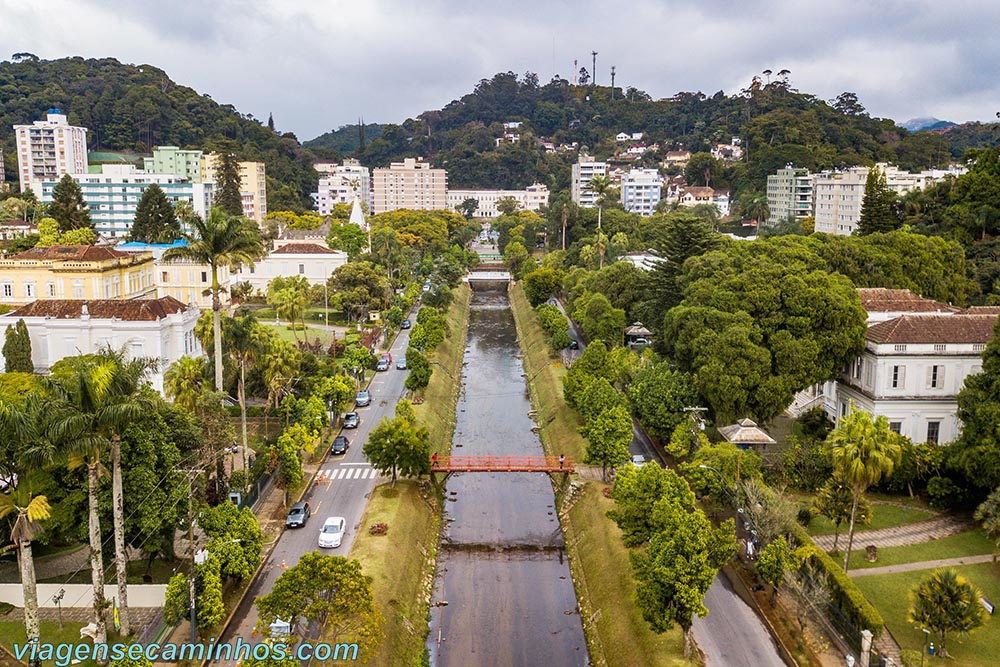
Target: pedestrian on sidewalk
point(562, 460)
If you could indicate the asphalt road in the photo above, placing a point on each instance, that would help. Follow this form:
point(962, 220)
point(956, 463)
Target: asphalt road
point(731, 635)
point(342, 488)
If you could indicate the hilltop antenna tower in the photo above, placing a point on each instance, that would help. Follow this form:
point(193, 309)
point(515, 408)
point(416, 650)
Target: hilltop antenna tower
point(593, 69)
point(612, 82)
point(574, 71)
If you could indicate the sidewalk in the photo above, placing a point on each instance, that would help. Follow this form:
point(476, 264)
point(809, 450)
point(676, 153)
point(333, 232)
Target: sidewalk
point(922, 565)
point(901, 536)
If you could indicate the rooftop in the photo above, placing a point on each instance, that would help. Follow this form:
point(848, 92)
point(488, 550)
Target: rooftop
point(132, 310)
point(882, 300)
point(934, 329)
point(746, 432)
point(304, 249)
point(79, 253)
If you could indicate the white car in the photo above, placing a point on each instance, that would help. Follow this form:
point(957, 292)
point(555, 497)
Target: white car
point(332, 532)
point(638, 460)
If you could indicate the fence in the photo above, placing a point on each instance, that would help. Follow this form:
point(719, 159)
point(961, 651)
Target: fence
point(250, 498)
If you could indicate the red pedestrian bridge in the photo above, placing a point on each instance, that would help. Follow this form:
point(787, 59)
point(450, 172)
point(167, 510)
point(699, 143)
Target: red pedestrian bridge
point(545, 464)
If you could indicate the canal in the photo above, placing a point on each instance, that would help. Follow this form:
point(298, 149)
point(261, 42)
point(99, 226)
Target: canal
point(503, 593)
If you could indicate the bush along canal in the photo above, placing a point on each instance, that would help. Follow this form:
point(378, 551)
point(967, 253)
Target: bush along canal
point(503, 593)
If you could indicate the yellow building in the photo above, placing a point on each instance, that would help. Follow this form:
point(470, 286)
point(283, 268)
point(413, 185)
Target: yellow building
point(76, 272)
point(253, 185)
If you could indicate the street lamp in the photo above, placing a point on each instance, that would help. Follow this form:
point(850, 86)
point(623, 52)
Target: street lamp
point(923, 651)
point(57, 598)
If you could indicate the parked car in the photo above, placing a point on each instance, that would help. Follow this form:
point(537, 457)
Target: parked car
point(387, 356)
point(332, 532)
point(351, 420)
point(382, 365)
point(574, 344)
point(639, 341)
point(638, 460)
point(406, 324)
point(363, 398)
point(298, 515)
point(401, 364)
point(340, 445)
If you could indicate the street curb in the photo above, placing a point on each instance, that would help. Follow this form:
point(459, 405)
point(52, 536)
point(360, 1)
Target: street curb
point(741, 589)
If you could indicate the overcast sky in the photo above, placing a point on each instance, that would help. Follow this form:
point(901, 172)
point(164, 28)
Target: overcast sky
point(320, 64)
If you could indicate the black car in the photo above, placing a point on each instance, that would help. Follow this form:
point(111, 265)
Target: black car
point(298, 515)
point(574, 344)
point(339, 446)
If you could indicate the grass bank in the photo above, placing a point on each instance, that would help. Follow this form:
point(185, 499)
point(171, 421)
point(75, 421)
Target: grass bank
point(437, 412)
point(401, 562)
point(890, 593)
point(401, 565)
point(617, 636)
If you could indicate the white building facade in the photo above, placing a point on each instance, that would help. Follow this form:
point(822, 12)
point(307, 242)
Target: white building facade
point(342, 184)
point(159, 328)
point(789, 194)
point(584, 169)
point(410, 184)
point(113, 195)
point(49, 148)
point(313, 261)
point(532, 198)
point(641, 190)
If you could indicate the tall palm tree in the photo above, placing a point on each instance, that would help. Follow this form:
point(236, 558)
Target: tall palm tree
point(184, 382)
point(864, 450)
point(245, 340)
point(29, 511)
point(221, 240)
point(602, 186)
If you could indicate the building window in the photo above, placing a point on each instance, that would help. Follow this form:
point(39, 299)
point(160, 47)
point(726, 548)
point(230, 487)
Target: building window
point(77, 289)
point(29, 290)
point(857, 368)
point(164, 277)
point(204, 276)
point(900, 348)
point(898, 377)
point(50, 289)
point(935, 377)
point(302, 269)
point(8, 290)
point(938, 347)
point(933, 431)
point(896, 427)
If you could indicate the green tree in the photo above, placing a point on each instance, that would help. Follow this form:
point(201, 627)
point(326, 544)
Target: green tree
point(29, 511)
point(287, 461)
point(593, 363)
point(228, 184)
point(290, 303)
point(835, 500)
point(420, 369)
point(541, 284)
point(754, 207)
point(17, 349)
point(211, 610)
point(775, 559)
point(178, 599)
point(516, 258)
point(155, 220)
point(347, 237)
point(608, 437)
point(944, 602)
point(185, 381)
point(702, 170)
point(683, 236)
point(599, 319)
point(977, 451)
point(245, 341)
point(235, 539)
point(864, 451)
point(222, 240)
point(685, 439)
point(988, 514)
point(878, 212)
point(598, 398)
point(659, 395)
point(68, 207)
point(399, 445)
point(508, 205)
point(635, 492)
point(468, 207)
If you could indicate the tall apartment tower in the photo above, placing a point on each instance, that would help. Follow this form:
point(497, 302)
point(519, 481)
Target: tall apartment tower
point(342, 184)
point(2, 174)
point(640, 191)
point(411, 184)
point(585, 169)
point(790, 194)
point(253, 185)
point(49, 148)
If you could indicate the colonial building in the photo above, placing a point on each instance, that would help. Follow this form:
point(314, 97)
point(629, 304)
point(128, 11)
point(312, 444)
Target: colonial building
point(532, 198)
point(314, 261)
point(183, 279)
point(411, 184)
point(77, 272)
point(159, 328)
point(693, 196)
point(49, 148)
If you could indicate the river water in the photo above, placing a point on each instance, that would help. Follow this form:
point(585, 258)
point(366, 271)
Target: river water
point(502, 568)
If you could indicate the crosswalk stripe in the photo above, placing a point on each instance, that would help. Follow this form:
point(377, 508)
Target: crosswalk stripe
point(345, 473)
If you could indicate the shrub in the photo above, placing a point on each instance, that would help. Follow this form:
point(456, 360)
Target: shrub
point(944, 493)
point(804, 516)
point(807, 464)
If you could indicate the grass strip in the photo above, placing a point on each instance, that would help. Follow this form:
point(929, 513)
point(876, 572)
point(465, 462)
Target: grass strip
point(969, 543)
point(617, 635)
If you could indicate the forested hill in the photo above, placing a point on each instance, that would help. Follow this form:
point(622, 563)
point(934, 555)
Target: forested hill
point(778, 125)
point(134, 107)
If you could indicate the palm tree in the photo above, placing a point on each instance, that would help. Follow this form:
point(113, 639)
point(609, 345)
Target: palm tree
point(184, 382)
point(245, 340)
point(290, 303)
point(602, 186)
point(755, 208)
point(221, 240)
point(30, 511)
point(988, 513)
point(864, 450)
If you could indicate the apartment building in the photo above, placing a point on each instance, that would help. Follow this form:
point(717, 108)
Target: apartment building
point(182, 279)
point(640, 191)
point(49, 148)
point(584, 170)
point(342, 184)
point(3, 175)
point(173, 160)
point(114, 194)
point(411, 184)
point(75, 272)
point(790, 194)
point(159, 328)
point(253, 185)
point(532, 198)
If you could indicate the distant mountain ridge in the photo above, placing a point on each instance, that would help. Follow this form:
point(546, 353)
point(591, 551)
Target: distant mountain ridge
point(929, 123)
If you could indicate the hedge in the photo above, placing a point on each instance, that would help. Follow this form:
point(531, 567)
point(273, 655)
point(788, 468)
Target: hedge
point(842, 589)
point(252, 410)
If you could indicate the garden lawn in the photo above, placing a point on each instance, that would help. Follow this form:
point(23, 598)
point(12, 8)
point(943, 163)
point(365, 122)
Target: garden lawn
point(883, 516)
point(890, 594)
point(284, 333)
point(12, 632)
point(969, 543)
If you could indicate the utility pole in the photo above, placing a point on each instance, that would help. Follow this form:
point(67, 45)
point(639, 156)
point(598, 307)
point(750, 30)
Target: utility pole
point(194, 574)
point(593, 79)
point(612, 82)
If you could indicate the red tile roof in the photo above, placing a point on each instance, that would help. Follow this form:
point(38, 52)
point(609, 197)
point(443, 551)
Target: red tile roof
point(77, 253)
point(982, 310)
point(132, 310)
point(882, 300)
point(303, 249)
point(933, 329)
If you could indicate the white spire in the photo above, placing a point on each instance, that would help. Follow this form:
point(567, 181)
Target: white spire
point(357, 215)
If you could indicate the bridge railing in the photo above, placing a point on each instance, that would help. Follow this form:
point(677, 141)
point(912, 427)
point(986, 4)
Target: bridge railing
point(501, 464)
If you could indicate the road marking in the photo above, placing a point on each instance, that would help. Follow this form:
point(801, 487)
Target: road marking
point(353, 464)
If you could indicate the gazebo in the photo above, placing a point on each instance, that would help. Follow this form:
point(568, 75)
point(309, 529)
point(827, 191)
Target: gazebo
point(745, 434)
point(636, 331)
